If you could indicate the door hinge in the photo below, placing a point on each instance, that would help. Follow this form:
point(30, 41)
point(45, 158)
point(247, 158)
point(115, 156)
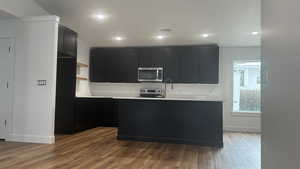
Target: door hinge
point(5, 123)
point(9, 49)
point(7, 85)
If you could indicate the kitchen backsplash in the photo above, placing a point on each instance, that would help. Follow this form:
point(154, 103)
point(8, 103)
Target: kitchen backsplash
point(132, 89)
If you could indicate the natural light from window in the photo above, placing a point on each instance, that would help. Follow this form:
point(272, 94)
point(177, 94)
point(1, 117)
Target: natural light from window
point(247, 86)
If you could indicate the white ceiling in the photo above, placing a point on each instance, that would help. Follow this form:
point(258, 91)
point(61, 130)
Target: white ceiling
point(4, 15)
point(229, 22)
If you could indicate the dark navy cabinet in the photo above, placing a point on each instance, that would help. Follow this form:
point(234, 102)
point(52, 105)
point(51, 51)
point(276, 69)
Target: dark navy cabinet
point(208, 67)
point(152, 56)
point(116, 65)
point(65, 96)
point(170, 121)
point(66, 81)
point(95, 112)
point(67, 42)
point(196, 64)
point(187, 122)
point(182, 64)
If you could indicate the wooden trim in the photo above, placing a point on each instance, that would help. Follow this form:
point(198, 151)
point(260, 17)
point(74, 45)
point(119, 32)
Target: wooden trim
point(81, 78)
point(82, 64)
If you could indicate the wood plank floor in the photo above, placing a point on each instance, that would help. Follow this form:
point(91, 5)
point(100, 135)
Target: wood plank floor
point(99, 149)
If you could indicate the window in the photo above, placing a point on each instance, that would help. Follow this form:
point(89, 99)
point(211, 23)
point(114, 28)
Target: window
point(242, 78)
point(246, 86)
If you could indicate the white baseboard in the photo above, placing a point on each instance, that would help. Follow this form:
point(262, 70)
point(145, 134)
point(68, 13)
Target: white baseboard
point(242, 129)
point(31, 139)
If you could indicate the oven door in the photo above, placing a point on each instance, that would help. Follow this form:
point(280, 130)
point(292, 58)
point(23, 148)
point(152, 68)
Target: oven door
point(150, 74)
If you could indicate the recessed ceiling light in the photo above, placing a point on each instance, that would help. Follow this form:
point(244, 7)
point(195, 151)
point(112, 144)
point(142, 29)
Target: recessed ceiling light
point(205, 35)
point(160, 37)
point(100, 16)
point(255, 33)
point(118, 38)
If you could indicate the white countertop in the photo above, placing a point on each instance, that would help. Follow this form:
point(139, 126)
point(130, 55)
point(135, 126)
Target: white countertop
point(182, 98)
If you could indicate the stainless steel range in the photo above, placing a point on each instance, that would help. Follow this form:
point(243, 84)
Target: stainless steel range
point(151, 92)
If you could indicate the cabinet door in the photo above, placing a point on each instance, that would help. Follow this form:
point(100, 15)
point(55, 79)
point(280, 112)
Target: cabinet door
point(188, 67)
point(70, 42)
point(92, 113)
point(66, 86)
point(106, 114)
point(159, 55)
point(209, 65)
point(117, 65)
point(60, 44)
point(99, 63)
point(82, 114)
point(171, 66)
point(152, 56)
point(112, 64)
point(127, 63)
point(115, 120)
point(145, 57)
point(198, 64)
point(88, 113)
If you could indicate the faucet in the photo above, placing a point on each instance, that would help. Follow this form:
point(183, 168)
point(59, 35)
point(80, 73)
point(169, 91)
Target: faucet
point(170, 81)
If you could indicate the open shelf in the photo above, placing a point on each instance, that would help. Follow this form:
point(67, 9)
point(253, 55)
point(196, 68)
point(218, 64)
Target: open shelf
point(81, 78)
point(82, 64)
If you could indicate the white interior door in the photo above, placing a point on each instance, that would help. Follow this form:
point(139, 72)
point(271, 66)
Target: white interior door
point(5, 80)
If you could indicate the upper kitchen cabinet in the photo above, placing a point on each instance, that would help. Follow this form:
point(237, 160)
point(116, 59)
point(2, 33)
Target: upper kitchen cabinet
point(209, 65)
point(171, 67)
point(188, 59)
point(197, 64)
point(182, 64)
point(67, 42)
point(122, 65)
point(127, 66)
point(98, 71)
point(116, 65)
point(60, 45)
point(152, 56)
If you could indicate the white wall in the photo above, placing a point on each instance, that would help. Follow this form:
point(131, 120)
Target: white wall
point(35, 53)
point(223, 90)
point(22, 8)
point(228, 56)
point(281, 89)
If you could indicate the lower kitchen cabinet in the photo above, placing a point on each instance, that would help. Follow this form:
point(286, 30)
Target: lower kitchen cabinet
point(95, 112)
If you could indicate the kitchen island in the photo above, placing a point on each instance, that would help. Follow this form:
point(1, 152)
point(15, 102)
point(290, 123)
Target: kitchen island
point(182, 120)
point(173, 119)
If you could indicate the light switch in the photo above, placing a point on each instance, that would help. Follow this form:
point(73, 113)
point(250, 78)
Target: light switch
point(42, 82)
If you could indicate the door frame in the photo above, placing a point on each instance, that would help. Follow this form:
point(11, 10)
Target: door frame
point(11, 86)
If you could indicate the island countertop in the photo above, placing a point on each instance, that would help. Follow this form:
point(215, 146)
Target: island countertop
point(176, 98)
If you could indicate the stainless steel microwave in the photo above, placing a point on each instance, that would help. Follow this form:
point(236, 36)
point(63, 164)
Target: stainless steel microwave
point(153, 74)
